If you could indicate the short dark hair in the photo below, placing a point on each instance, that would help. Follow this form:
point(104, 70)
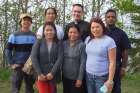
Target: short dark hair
point(55, 11)
point(110, 10)
point(99, 21)
point(79, 5)
point(53, 25)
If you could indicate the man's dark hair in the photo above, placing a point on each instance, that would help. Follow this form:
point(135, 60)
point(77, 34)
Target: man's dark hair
point(79, 5)
point(110, 10)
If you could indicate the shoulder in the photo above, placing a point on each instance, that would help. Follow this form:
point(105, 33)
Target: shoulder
point(67, 25)
point(16, 33)
point(81, 43)
point(11, 38)
point(109, 41)
point(31, 33)
point(58, 26)
point(40, 28)
point(121, 31)
point(85, 22)
point(87, 39)
point(108, 38)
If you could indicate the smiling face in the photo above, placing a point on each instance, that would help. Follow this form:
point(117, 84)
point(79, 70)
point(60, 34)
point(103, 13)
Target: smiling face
point(96, 30)
point(49, 32)
point(26, 23)
point(50, 15)
point(77, 13)
point(73, 34)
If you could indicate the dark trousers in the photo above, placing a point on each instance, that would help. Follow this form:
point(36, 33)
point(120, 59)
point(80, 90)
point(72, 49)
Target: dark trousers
point(17, 77)
point(84, 85)
point(69, 86)
point(117, 80)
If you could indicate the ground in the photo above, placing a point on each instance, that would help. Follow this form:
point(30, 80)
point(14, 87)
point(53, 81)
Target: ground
point(130, 84)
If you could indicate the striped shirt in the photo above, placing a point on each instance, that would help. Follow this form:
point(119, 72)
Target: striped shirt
point(19, 47)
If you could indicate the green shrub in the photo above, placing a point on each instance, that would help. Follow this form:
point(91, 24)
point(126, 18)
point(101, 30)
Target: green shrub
point(4, 74)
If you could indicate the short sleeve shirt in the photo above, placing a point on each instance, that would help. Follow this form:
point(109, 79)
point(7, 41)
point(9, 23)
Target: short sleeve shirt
point(97, 55)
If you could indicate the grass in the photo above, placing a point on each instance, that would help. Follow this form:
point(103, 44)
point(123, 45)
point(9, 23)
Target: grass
point(130, 84)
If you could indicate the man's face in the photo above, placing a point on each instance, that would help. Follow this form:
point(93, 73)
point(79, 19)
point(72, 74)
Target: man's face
point(77, 13)
point(26, 22)
point(110, 18)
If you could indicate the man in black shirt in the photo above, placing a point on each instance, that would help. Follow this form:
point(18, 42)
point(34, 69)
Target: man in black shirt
point(77, 13)
point(122, 43)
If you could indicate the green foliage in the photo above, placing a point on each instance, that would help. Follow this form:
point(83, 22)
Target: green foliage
point(124, 6)
point(4, 74)
point(134, 53)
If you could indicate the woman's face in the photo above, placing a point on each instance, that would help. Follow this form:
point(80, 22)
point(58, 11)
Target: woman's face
point(49, 32)
point(96, 30)
point(50, 15)
point(73, 34)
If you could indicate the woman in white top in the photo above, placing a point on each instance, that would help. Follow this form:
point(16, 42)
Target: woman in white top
point(101, 56)
point(50, 16)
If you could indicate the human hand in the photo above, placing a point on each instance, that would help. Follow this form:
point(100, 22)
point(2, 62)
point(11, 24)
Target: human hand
point(42, 77)
point(49, 76)
point(109, 84)
point(14, 66)
point(122, 73)
point(78, 83)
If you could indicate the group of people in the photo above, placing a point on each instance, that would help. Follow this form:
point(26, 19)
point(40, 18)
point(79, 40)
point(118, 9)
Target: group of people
point(88, 56)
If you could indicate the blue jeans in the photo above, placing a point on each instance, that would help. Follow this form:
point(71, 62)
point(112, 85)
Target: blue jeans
point(94, 83)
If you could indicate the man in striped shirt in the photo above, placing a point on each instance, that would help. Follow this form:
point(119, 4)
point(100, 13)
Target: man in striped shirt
point(17, 51)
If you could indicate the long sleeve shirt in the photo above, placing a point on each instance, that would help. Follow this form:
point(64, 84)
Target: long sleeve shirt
point(74, 60)
point(45, 62)
point(19, 47)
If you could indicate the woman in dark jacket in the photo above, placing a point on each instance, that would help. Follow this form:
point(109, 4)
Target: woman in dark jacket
point(73, 61)
point(47, 57)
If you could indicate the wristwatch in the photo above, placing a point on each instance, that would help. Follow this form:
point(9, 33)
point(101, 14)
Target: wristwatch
point(111, 82)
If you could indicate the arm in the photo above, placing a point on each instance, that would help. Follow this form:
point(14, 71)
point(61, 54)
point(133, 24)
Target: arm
point(124, 62)
point(124, 58)
point(112, 67)
point(82, 66)
point(60, 32)
point(112, 63)
point(9, 49)
point(59, 59)
point(125, 46)
point(83, 61)
point(35, 56)
point(39, 32)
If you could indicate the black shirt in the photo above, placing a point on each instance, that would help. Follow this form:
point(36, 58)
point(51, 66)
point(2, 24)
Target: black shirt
point(83, 26)
point(121, 40)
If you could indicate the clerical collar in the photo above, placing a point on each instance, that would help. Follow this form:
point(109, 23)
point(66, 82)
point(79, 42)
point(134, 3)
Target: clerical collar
point(77, 22)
